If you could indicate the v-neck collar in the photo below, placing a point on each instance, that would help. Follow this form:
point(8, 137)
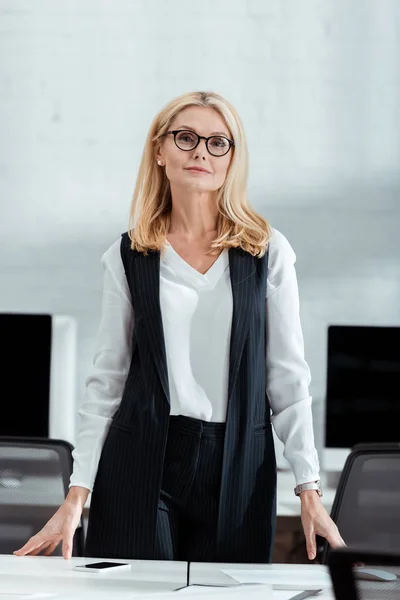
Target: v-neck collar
point(189, 273)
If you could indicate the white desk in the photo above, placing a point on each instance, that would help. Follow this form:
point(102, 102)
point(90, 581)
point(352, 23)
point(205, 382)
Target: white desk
point(38, 574)
point(53, 577)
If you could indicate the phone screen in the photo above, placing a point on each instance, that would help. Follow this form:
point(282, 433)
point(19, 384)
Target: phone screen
point(103, 565)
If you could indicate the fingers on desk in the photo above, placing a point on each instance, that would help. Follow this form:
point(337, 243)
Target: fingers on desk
point(37, 544)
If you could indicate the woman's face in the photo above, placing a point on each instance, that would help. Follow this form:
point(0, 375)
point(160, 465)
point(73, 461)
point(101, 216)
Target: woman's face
point(177, 163)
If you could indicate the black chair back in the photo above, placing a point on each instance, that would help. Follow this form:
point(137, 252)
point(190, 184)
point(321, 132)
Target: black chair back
point(366, 507)
point(376, 578)
point(34, 480)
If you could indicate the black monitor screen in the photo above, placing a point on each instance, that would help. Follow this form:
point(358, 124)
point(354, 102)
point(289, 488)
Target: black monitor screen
point(25, 374)
point(363, 386)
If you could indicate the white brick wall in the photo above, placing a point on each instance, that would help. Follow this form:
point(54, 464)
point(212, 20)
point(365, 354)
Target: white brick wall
point(317, 84)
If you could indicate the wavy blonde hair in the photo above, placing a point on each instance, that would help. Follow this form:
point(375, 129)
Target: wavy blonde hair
point(239, 225)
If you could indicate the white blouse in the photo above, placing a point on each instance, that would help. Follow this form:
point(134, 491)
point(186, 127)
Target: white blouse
point(196, 314)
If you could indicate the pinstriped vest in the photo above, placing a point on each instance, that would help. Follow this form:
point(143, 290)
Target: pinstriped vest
point(122, 519)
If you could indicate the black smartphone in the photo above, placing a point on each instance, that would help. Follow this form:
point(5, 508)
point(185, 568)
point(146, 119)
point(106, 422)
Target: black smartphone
point(102, 567)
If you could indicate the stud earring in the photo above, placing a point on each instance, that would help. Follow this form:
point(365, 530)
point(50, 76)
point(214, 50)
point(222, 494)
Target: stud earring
point(159, 162)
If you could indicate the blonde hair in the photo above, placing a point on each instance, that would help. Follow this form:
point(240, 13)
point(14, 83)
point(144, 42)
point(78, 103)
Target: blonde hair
point(239, 226)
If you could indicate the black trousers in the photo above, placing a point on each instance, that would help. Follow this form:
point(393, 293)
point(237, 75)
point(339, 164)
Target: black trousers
point(189, 498)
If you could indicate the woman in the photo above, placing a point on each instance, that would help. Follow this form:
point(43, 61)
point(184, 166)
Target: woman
point(199, 342)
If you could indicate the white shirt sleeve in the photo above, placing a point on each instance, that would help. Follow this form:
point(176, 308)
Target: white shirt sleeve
point(288, 374)
point(106, 380)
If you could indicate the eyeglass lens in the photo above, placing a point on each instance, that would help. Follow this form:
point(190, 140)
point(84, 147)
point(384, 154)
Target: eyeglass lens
point(187, 140)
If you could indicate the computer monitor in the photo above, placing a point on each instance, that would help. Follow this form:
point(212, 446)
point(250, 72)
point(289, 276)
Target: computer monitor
point(38, 374)
point(362, 388)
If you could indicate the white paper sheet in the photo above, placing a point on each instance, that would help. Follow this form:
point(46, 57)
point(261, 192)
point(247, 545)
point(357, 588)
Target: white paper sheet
point(285, 594)
point(255, 592)
point(326, 594)
point(303, 579)
point(221, 592)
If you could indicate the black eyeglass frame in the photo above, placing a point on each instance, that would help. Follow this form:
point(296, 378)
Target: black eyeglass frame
point(199, 138)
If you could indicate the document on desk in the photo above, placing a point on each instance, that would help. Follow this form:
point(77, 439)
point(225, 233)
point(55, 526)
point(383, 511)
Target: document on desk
point(295, 595)
point(255, 592)
point(300, 579)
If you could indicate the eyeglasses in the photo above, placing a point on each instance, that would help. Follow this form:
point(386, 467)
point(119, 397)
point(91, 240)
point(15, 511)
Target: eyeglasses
point(217, 145)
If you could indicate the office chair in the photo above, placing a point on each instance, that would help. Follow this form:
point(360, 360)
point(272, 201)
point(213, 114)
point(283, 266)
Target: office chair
point(34, 479)
point(366, 507)
point(377, 576)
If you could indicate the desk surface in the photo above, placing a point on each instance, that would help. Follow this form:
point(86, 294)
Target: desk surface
point(53, 577)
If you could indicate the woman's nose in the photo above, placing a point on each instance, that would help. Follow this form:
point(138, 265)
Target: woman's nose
point(201, 149)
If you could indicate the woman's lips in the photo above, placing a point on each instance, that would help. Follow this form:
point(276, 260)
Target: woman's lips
point(197, 170)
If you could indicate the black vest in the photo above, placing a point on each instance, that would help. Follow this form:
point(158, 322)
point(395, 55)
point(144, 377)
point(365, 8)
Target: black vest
point(122, 518)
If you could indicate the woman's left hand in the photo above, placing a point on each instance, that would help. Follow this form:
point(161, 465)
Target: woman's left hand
point(316, 521)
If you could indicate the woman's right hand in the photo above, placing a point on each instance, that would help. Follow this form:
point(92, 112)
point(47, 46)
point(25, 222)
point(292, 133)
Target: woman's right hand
point(61, 527)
